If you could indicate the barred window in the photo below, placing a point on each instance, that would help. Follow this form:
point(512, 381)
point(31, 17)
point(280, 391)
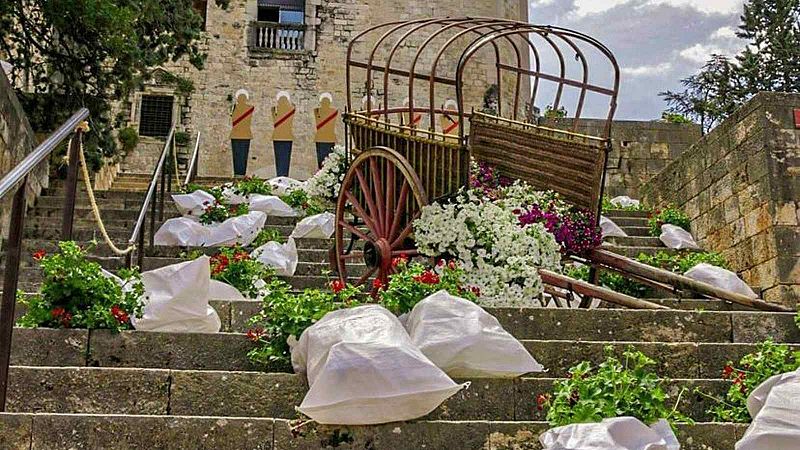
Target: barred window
point(155, 115)
point(201, 6)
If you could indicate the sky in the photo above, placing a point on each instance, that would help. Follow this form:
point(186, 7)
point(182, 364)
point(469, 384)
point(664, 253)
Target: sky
point(656, 42)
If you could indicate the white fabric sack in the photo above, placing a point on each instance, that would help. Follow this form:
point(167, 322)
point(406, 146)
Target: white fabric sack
point(609, 229)
point(775, 408)
point(217, 290)
point(719, 277)
point(320, 226)
point(176, 299)
point(465, 341)
point(271, 205)
point(623, 201)
point(284, 185)
point(240, 230)
point(676, 237)
point(193, 204)
point(182, 231)
point(282, 257)
point(363, 369)
point(230, 195)
point(619, 433)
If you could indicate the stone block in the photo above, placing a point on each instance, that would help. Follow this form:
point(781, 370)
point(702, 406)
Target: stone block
point(217, 351)
point(752, 328)
point(241, 312)
point(784, 294)
point(484, 399)
point(15, 431)
point(787, 214)
point(709, 436)
point(240, 394)
point(49, 347)
point(150, 432)
point(757, 220)
point(88, 390)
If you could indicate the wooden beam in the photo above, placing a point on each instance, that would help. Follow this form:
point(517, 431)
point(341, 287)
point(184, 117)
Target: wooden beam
point(584, 288)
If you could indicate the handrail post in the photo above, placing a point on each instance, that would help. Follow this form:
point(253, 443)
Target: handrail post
point(13, 256)
point(153, 211)
point(71, 185)
point(140, 256)
point(161, 196)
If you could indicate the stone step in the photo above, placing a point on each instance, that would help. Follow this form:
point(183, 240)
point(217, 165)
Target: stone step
point(636, 241)
point(633, 252)
point(108, 213)
point(95, 390)
point(57, 202)
point(621, 213)
point(228, 352)
point(116, 431)
point(636, 230)
point(630, 221)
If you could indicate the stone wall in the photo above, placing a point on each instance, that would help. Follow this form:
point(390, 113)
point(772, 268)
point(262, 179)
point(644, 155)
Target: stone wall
point(17, 140)
point(741, 186)
point(232, 66)
point(640, 149)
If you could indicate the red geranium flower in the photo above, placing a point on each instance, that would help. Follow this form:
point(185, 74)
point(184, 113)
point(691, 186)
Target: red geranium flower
point(476, 290)
point(727, 371)
point(119, 314)
point(377, 284)
point(452, 264)
point(402, 259)
point(427, 277)
point(542, 400)
point(219, 263)
point(255, 334)
point(39, 254)
point(337, 286)
point(241, 256)
point(66, 318)
point(55, 313)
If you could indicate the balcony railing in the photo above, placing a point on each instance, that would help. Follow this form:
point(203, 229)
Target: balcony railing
point(268, 36)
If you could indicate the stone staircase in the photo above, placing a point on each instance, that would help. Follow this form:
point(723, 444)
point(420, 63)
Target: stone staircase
point(148, 390)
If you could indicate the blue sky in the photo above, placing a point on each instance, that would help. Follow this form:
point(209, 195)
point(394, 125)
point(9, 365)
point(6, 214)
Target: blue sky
point(656, 42)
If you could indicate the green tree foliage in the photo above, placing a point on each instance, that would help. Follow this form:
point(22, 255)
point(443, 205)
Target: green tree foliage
point(769, 62)
point(68, 54)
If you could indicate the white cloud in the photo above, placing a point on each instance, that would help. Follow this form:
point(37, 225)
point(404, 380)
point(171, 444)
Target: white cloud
point(723, 41)
point(644, 71)
point(724, 33)
point(585, 7)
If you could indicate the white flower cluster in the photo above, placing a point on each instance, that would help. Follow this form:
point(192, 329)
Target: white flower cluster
point(499, 257)
point(521, 195)
point(325, 184)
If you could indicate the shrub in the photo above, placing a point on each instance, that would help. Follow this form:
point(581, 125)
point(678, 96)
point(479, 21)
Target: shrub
point(233, 265)
point(267, 235)
point(128, 138)
point(252, 185)
point(770, 359)
point(301, 201)
point(284, 314)
point(220, 212)
point(413, 282)
point(615, 388)
point(76, 294)
point(670, 215)
point(671, 117)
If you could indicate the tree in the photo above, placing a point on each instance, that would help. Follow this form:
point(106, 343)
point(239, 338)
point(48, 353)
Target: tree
point(67, 54)
point(769, 62)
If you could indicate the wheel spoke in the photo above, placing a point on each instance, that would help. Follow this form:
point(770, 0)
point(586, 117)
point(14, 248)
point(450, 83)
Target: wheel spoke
point(410, 252)
point(406, 231)
point(378, 190)
point(370, 202)
point(398, 210)
point(356, 231)
point(390, 192)
point(360, 212)
point(366, 276)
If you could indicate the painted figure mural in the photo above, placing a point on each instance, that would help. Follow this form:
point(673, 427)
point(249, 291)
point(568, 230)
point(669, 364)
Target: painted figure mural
point(449, 121)
point(241, 132)
point(325, 137)
point(282, 136)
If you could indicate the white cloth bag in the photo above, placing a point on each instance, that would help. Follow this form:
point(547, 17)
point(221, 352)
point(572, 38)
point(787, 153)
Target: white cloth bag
point(465, 341)
point(282, 257)
point(240, 230)
point(721, 278)
point(363, 369)
point(271, 205)
point(320, 226)
point(193, 204)
point(182, 231)
point(775, 408)
point(676, 237)
point(176, 299)
point(623, 201)
point(619, 433)
point(217, 290)
point(230, 195)
point(609, 229)
point(284, 185)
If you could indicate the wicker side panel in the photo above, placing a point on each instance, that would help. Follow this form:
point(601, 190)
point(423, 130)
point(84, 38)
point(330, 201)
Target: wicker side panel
point(572, 168)
point(443, 167)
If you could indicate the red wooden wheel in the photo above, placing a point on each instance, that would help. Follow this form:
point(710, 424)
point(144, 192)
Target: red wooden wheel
point(381, 196)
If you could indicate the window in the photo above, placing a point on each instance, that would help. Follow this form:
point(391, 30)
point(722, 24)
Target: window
point(268, 14)
point(155, 115)
point(201, 6)
point(281, 11)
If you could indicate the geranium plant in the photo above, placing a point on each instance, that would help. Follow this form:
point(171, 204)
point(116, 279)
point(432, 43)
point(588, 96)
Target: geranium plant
point(753, 369)
point(219, 211)
point(75, 293)
point(413, 281)
point(626, 387)
point(252, 185)
point(267, 235)
point(499, 256)
point(284, 315)
point(302, 202)
point(234, 266)
point(670, 215)
point(326, 183)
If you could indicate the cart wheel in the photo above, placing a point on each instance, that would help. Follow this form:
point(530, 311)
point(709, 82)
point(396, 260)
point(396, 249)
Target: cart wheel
point(380, 198)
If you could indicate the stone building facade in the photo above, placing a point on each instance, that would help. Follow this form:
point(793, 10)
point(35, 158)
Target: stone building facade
point(309, 61)
point(741, 187)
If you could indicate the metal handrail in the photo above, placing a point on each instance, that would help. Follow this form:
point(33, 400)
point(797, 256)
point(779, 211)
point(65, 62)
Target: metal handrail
point(137, 236)
point(41, 152)
point(191, 172)
point(17, 177)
